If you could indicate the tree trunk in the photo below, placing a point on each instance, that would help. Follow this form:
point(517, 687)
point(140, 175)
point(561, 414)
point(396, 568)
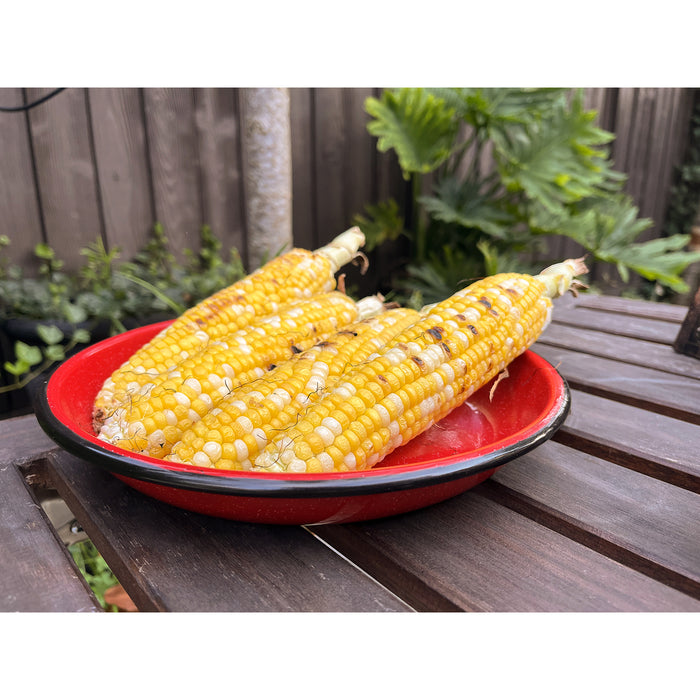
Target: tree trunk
point(267, 157)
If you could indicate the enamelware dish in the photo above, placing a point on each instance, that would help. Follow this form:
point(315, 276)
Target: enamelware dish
point(456, 454)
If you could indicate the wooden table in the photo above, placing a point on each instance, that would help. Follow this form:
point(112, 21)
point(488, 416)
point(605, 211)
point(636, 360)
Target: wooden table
point(604, 517)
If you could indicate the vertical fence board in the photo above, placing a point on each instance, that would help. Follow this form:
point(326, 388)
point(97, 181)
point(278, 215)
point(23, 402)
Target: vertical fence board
point(172, 142)
point(217, 119)
point(304, 227)
point(21, 219)
point(173, 155)
point(65, 171)
point(358, 163)
point(122, 165)
point(330, 151)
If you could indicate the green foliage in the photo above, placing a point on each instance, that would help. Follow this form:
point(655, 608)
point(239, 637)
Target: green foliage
point(417, 125)
point(94, 569)
point(104, 290)
point(506, 167)
point(383, 223)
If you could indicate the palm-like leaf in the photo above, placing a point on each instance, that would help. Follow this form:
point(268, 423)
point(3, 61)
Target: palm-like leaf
point(461, 203)
point(420, 127)
point(609, 228)
point(557, 161)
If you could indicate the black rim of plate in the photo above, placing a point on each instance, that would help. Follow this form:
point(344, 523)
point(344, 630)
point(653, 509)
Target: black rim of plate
point(362, 484)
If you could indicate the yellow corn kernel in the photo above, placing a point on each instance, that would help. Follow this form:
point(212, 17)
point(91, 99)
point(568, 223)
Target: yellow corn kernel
point(455, 348)
point(294, 276)
point(282, 397)
point(202, 381)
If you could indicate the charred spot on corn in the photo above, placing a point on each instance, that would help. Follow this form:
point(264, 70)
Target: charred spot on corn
point(436, 332)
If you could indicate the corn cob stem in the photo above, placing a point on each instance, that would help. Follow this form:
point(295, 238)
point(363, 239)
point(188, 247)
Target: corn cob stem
point(232, 435)
point(429, 369)
point(161, 409)
point(296, 275)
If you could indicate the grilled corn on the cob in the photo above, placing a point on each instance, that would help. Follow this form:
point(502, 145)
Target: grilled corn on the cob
point(414, 381)
point(155, 416)
point(298, 274)
point(231, 435)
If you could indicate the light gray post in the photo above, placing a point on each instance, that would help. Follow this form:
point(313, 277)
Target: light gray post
point(267, 158)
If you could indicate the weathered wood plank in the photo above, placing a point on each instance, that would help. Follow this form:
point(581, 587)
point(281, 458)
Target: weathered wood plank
point(646, 442)
point(22, 441)
point(174, 160)
point(65, 168)
point(330, 156)
point(217, 119)
point(631, 307)
point(648, 525)
point(21, 216)
point(301, 106)
point(666, 394)
point(37, 573)
point(169, 559)
point(634, 351)
point(122, 164)
point(471, 553)
point(359, 159)
point(628, 326)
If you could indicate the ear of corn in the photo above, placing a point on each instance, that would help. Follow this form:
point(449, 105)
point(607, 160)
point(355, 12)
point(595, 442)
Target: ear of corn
point(160, 410)
point(424, 373)
point(296, 275)
point(245, 422)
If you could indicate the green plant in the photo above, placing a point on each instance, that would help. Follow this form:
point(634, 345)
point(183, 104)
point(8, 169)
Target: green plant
point(105, 292)
point(94, 569)
point(496, 170)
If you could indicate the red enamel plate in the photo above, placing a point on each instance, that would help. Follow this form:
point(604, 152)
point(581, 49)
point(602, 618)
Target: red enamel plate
point(459, 452)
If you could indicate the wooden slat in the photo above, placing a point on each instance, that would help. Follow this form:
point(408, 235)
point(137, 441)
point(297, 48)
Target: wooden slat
point(635, 519)
point(169, 559)
point(22, 441)
point(666, 394)
point(646, 442)
point(634, 351)
point(173, 154)
point(358, 179)
point(471, 553)
point(628, 326)
point(659, 169)
point(330, 163)
point(37, 573)
point(602, 100)
point(21, 219)
point(632, 307)
point(65, 170)
point(303, 172)
point(217, 119)
point(122, 164)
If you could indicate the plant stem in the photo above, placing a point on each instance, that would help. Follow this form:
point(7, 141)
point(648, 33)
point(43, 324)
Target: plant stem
point(21, 383)
point(177, 308)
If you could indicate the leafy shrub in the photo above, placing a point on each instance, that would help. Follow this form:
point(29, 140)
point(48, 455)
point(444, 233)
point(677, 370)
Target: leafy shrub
point(494, 171)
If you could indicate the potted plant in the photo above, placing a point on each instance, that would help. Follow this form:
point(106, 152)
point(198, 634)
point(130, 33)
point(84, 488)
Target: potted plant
point(45, 318)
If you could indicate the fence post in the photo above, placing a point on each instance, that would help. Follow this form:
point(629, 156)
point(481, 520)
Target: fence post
point(267, 167)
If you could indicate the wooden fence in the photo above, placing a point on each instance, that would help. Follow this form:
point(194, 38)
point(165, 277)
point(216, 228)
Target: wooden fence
point(108, 163)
